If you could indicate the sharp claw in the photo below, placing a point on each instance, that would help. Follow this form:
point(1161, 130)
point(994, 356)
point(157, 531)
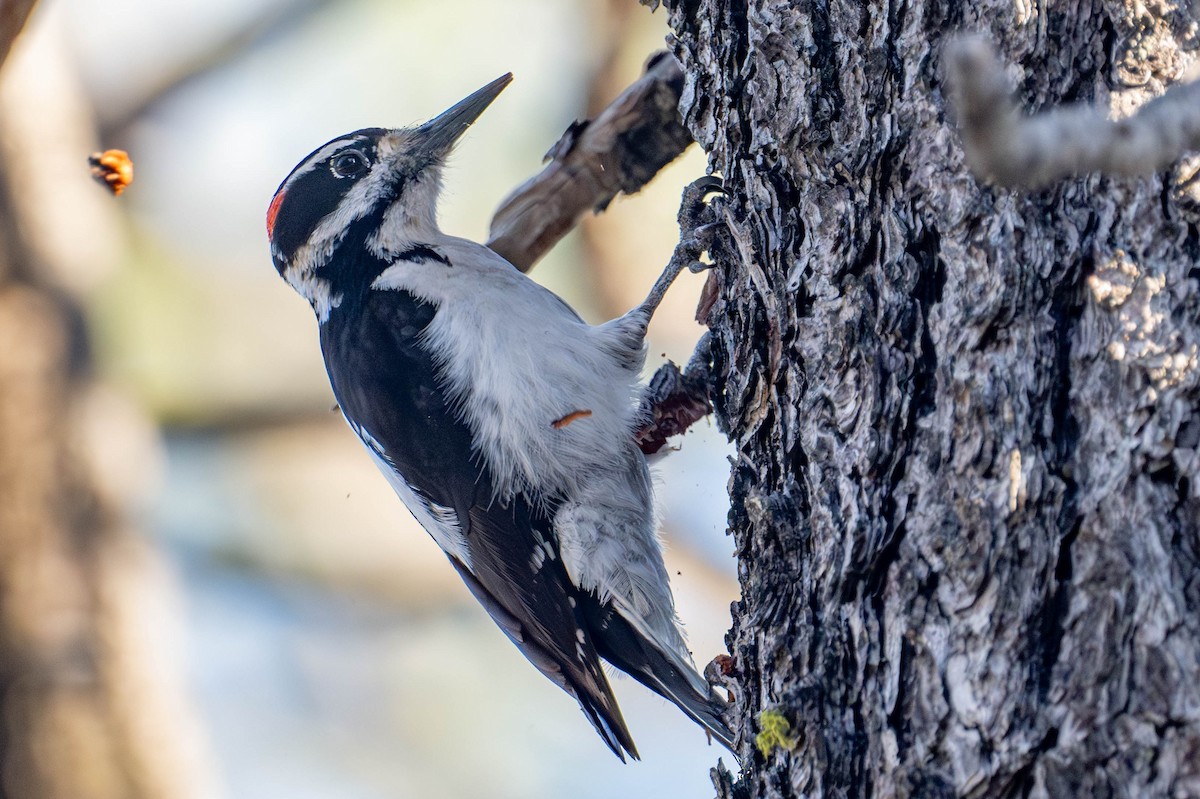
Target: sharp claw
point(698, 190)
point(693, 209)
point(709, 184)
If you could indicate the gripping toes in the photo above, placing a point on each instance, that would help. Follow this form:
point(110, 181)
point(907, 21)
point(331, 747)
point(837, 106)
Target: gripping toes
point(698, 221)
point(696, 228)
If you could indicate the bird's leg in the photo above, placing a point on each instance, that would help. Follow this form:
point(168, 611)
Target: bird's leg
point(674, 400)
point(696, 227)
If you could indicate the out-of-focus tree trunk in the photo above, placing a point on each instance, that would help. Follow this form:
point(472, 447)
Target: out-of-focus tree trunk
point(966, 494)
point(13, 14)
point(57, 738)
point(85, 710)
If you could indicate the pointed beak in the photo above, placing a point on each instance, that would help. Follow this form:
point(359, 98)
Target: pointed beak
point(437, 136)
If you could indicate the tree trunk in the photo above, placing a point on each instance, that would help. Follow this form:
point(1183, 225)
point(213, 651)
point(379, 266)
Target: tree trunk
point(90, 706)
point(965, 499)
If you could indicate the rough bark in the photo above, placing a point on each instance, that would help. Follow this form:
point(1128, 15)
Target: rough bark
point(965, 499)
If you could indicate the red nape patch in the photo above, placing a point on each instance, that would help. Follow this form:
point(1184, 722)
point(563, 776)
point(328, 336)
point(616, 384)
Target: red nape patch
point(272, 212)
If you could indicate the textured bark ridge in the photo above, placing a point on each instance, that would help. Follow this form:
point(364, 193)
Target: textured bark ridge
point(966, 498)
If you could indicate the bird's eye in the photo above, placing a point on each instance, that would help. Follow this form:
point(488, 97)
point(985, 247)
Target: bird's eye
point(348, 165)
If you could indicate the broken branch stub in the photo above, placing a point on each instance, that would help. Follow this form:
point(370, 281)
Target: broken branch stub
point(621, 150)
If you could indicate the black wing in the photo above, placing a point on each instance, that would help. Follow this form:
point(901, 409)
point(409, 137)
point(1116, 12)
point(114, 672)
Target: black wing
point(387, 386)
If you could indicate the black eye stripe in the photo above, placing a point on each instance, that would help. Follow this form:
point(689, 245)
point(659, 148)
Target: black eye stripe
point(312, 191)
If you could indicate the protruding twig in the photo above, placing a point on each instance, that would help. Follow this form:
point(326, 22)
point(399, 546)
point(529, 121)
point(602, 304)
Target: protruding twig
point(619, 151)
point(726, 785)
point(1015, 150)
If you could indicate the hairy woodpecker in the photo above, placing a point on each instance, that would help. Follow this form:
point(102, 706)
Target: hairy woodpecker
point(502, 420)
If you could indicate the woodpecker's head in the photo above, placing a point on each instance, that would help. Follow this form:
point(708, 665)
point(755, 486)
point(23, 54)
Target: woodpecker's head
point(356, 201)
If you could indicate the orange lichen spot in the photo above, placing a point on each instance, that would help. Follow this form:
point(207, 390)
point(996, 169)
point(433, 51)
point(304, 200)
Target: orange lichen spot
point(113, 169)
point(559, 424)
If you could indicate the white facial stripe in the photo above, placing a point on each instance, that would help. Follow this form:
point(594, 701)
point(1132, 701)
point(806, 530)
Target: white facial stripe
point(357, 203)
point(317, 291)
point(414, 220)
point(319, 158)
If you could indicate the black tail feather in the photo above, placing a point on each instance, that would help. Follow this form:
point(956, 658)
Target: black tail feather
point(611, 726)
point(624, 647)
point(584, 680)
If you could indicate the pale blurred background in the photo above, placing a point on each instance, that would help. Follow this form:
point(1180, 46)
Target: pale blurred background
point(298, 634)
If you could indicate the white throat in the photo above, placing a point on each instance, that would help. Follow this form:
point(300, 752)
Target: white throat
point(410, 220)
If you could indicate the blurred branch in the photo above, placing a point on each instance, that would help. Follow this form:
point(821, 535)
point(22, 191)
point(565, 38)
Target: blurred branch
point(621, 150)
point(1015, 150)
point(13, 14)
point(90, 704)
point(608, 266)
point(270, 21)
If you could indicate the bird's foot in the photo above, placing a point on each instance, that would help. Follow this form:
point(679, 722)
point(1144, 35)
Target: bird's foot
point(698, 222)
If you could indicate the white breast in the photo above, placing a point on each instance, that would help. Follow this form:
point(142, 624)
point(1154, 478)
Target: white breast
point(540, 389)
point(551, 403)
